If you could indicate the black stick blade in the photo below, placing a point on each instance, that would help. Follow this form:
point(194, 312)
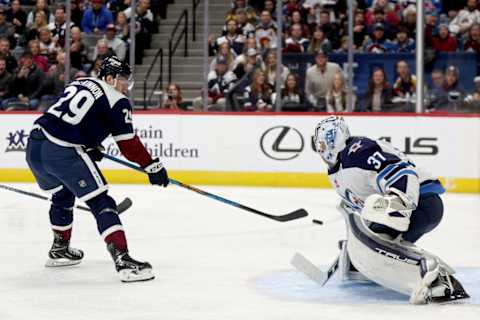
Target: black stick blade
point(124, 205)
point(297, 214)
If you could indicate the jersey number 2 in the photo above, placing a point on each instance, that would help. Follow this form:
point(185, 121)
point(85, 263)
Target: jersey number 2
point(376, 160)
point(79, 102)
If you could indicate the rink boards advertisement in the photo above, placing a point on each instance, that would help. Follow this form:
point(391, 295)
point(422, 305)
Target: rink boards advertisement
point(267, 150)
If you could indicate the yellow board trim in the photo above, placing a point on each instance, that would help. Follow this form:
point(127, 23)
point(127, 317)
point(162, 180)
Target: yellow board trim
point(231, 178)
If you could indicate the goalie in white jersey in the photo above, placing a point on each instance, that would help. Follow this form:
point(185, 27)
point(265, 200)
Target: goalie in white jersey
point(388, 204)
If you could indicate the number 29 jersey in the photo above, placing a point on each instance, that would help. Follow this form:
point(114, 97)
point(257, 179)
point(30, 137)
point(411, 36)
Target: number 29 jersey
point(367, 167)
point(88, 111)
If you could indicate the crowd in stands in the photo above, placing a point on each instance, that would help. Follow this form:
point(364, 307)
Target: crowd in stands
point(242, 75)
point(32, 44)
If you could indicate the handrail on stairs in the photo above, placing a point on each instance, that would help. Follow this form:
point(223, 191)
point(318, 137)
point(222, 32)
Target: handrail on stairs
point(173, 45)
point(159, 79)
point(195, 4)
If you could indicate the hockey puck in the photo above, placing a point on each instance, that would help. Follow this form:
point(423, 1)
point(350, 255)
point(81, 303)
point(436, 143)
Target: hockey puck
point(317, 221)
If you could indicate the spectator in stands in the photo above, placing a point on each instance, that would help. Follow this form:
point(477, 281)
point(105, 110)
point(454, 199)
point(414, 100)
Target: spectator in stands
point(57, 74)
point(143, 37)
point(48, 47)
point(379, 18)
point(410, 20)
point(17, 17)
point(102, 50)
point(95, 67)
point(296, 43)
point(78, 49)
point(258, 95)
point(388, 11)
point(232, 35)
point(77, 12)
point(271, 69)
point(378, 43)
point(472, 101)
point(319, 42)
point(379, 93)
point(430, 27)
point(116, 44)
point(225, 52)
point(337, 96)
point(444, 42)
point(173, 99)
point(220, 81)
point(246, 63)
point(5, 79)
point(329, 28)
point(269, 6)
point(39, 22)
point(7, 29)
point(290, 7)
point(473, 41)
point(27, 84)
point(122, 26)
point(293, 98)
point(405, 85)
point(40, 61)
point(248, 10)
point(40, 6)
point(453, 88)
point(403, 43)
point(466, 18)
point(319, 79)
point(96, 18)
point(297, 19)
point(266, 31)
point(437, 95)
point(11, 62)
point(246, 28)
point(57, 28)
point(360, 34)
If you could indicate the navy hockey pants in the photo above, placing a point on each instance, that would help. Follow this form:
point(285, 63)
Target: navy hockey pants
point(424, 219)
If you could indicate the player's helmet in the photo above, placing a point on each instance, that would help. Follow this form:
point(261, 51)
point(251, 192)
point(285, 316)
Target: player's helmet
point(330, 139)
point(114, 67)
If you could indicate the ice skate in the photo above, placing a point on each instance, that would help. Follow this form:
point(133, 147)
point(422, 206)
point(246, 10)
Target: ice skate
point(129, 269)
point(61, 254)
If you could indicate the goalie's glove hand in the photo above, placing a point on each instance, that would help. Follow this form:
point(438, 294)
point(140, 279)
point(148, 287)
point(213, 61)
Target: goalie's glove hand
point(388, 210)
point(157, 174)
point(96, 153)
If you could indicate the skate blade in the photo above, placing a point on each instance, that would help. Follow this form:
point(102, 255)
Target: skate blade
point(61, 262)
point(136, 276)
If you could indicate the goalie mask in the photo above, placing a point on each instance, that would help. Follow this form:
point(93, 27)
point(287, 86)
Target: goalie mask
point(330, 138)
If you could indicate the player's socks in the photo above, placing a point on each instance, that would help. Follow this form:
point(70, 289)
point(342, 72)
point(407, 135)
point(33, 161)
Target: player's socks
point(61, 254)
point(129, 269)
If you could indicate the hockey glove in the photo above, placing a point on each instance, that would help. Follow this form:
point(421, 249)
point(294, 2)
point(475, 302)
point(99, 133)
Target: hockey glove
point(157, 174)
point(96, 153)
point(388, 210)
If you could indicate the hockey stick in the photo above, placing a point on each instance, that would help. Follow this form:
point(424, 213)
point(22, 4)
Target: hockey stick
point(305, 266)
point(121, 207)
point(300, 213)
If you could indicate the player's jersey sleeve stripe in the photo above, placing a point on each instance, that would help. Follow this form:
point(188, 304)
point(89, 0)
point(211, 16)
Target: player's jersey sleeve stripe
point(388, 172)
point(123, 137)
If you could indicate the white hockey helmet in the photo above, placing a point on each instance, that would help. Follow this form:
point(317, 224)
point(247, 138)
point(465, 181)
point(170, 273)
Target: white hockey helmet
point(330, 139)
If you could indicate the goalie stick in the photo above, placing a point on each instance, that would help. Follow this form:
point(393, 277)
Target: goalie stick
point(300, 213)
point(306, 267)
point(121, 207)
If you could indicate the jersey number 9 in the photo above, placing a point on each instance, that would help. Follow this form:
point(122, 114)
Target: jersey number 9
point(77, 104)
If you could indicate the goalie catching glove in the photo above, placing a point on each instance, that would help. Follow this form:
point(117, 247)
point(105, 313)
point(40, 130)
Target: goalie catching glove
point(389, 210)
point(157, 174)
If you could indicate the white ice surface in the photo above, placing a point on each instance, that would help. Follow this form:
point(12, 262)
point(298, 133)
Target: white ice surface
point(212, 261)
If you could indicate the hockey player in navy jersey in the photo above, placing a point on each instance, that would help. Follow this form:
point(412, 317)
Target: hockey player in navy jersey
point(62, 149)
point(388, 204)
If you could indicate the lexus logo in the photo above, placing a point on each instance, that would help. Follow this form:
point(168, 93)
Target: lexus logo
point(282, 143)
